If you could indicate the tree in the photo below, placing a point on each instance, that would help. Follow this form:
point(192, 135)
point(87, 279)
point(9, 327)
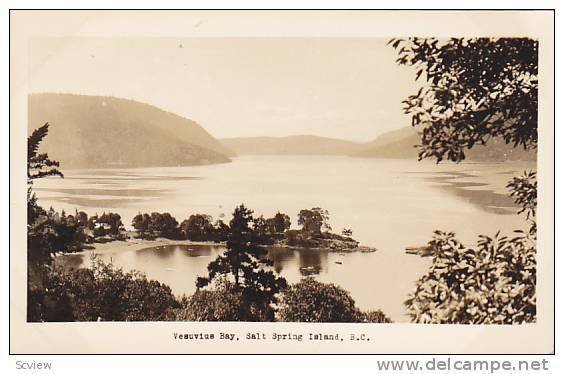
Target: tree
point(38, 164)
point(261, 232)
point(476, 89)
point(221, 231)
point(163, 225)
point(198, 227)
point(313, 220)
point(113, 223)
point(312, 301)
point(82, 218)
point(41, 235)
point(156, 225)
point(493, 283)
point(101, 292)
point(106, 224)
point(222, 303)
point(279, 224)
point(141, 224)
point(246, 263)
point(524, 191)
point(347, 232)
point(374, 316)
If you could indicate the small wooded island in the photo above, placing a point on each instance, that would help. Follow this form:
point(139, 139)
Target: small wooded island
point(85, 232)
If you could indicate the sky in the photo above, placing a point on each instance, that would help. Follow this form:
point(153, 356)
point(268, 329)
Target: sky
point(348, 88)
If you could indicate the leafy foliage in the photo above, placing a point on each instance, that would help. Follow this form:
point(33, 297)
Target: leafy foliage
point(261, 231)
point(221, 231)
point(106, 224)
point(38, 164)
point(267, 231)
point(524, 191)
point(374, 316)
point(198, 227)
point(493, 283)
point(224, 302)
point(50, 232)
point(347, 232)
point(100, 293)
point(156, 225)
point(312, 301)
point(476, 89)
point(40, 231)
point(278, 224)
point(245, 261)
point(313, 220)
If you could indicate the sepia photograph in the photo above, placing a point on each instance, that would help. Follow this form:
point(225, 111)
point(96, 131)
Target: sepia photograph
point(307, 183)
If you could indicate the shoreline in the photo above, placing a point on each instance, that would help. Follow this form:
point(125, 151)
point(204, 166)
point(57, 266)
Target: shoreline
point(139, 244)
point(136, 244)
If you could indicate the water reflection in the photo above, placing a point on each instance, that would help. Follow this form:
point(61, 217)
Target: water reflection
point(96, 203)
point(105, 192)
point(109, 188)
point(309, 262)
point(312, 262)
point(179, 266)
point(279, 256)
point(185, 250)
point(486, 199)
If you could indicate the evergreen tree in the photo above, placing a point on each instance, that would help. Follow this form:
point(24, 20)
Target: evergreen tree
point(245, 261)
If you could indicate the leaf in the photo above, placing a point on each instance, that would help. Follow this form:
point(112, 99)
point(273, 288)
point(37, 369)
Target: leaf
point(35, 138)
point(419, 72)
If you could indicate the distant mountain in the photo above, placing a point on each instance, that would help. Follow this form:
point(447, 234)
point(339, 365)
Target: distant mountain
point(102, 132)
point(291, 145)
point(400, 144)
point(393, 144)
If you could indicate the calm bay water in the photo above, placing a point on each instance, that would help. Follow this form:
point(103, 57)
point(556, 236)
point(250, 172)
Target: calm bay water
point(389, 204)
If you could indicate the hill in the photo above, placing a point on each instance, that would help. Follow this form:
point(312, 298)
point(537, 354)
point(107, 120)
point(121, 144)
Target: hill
point(102, 132)
point(400, 144)
point(291, 145)
point(393, 144)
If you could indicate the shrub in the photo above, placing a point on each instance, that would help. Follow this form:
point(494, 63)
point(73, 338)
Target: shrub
point(313, 220)
point(493, 283)
point(221, 231)
point(523, 189)
point(374, 316)
point(198, 227)
point(312, 301)
point(218, 304)
point(223, 302)
point(101, 293)
point(156, 225)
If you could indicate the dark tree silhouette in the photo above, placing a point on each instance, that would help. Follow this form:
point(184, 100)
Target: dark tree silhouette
point(524, 192)
point(476, 89)
point(38, 164)
point(42, 235)
point(246, 262)
point(280, 222)
point(198, 227)
point(141, 224)
point(40, 230)
point(156, 225)
point(313, 220)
